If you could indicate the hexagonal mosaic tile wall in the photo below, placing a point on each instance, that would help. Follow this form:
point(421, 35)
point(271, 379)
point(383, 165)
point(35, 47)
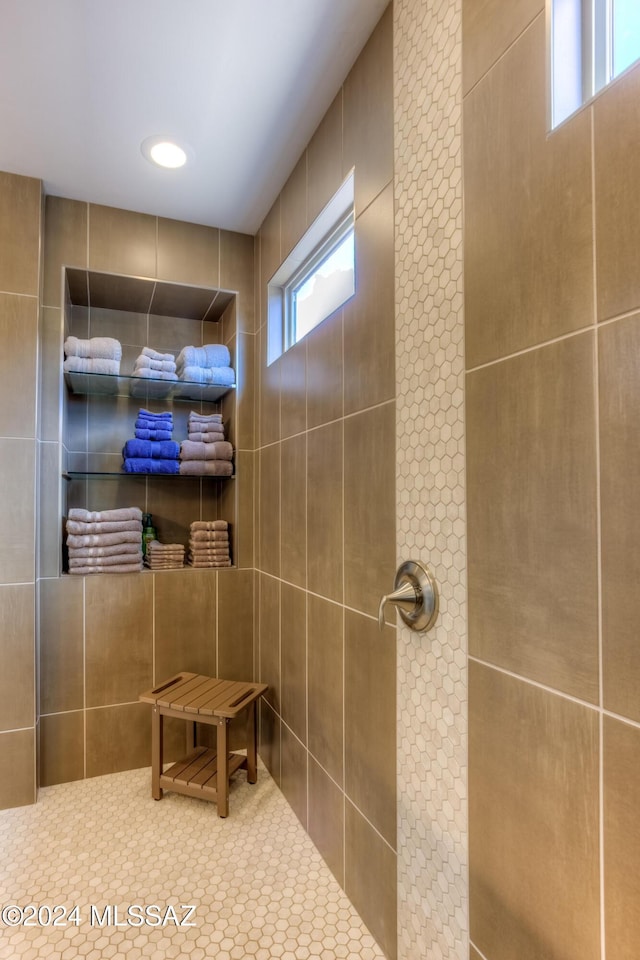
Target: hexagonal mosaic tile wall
point(430, 480)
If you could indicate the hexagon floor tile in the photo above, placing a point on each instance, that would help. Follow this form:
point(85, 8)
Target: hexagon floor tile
point(259, 886)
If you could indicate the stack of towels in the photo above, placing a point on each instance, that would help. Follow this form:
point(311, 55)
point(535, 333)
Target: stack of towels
point(206, 453)
point(208, 364)
point(164, 556)
point(152, 450)
point(105, 541)
point(155, 369)
point(97, 355)
point(209, 544)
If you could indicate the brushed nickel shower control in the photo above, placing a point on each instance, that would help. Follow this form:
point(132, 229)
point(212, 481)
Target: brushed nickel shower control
point(415, 595)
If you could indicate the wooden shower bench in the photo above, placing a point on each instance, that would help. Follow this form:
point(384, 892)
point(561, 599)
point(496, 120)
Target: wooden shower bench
point(204, 772)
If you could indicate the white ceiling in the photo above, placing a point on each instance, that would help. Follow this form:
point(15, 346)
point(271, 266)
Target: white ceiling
point(243, 82)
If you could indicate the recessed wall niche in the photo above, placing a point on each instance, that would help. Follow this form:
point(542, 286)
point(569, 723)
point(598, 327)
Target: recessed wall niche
point(99, 412)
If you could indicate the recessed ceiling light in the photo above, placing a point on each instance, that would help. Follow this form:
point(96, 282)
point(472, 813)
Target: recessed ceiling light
point(164, 152)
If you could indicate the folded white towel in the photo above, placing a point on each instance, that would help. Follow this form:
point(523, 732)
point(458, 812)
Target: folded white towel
point(98, 516)
point(205, 426)
point(225, 376)
point(154, 355)
point(97, 348)
point(146, 374)
point(85, 365)
point(210, 355)
point(146, 363)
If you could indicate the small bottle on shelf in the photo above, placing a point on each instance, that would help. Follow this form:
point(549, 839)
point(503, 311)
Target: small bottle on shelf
point(148, 532)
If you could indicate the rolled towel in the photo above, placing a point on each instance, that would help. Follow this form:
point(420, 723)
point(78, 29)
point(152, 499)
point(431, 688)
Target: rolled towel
point(101, 516)
point(206, 468)
point(222, 450)
point(116, 549)
point(210, 355)
point(80, 365)
point(209, 525)
point(166, 366)
point(116, 568)
point(154, 355)
point(149, 465)
point(109, 526)
point(104, 540)
point(111, 561)
point(149, 415)
point(205, 437)
point(142, 434)
point(144, 373)
point(223, 376)
point(156, 449)
point(97, 348)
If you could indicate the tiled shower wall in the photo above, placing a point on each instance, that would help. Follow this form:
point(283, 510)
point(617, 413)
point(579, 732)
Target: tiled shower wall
point(104, 639)
point(552, 290)
point(20, 219)
point(430, 478)
point(326, 514)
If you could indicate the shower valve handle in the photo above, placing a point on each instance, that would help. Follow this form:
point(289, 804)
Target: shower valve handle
point(415, 596)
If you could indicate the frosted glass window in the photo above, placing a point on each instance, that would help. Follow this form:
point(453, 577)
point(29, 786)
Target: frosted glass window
point(626, 34)
point(566, 65)
point(325, 288)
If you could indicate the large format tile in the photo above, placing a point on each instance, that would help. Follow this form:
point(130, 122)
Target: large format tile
point(293, 207)
point(293, 657)
point(326, 818)
point(20, 206)
point(370, 721)
point(237, 273)
point(621, 839)
point(185, 623)
point(324, 160)
point(293, 390)
point(269, 742)
point(269, 638)
point(489, 27)
point(616, 125)
point(121, 241)
point(293, 519)
point(531, 507)
point(294, 774)
point(324, 511)
point(65, 244)
point(235, 624)
point(533, 821)
point(188, 253)
point(18, 367)
point(17, 520)
point(370, 879)
point(118, 738)
point(325, 685)
point(50, 524)
point(269, 514)
point(17, 768)
point(528, 218)
point(325, 371)
point(17, 677)
point(619, 464)
point(61, 751)
point(118, 638)
point(61, 644)
point(50, 385)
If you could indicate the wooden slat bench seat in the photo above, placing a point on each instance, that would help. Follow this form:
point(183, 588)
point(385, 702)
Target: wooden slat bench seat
point(203, 772)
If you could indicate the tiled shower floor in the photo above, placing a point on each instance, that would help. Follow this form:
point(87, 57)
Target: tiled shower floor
point(259, 886)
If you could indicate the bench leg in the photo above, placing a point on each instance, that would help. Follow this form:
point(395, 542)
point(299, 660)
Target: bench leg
point(157, 732)
point(252, 745)
point(223, 768)
point(191, 736)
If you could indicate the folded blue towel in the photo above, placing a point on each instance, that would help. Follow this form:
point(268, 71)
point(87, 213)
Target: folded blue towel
point(166, 415)
point(156, 449)
point(152, 434)
point(149, 465)
point(154, 424)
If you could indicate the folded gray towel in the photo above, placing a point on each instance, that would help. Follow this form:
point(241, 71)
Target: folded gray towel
point(206, 468)
point(204, 417)
point(117, 526)
point(104, 539)
point(80, 365)
point(113, 560)
point(210, 355)
point(116, 568)
point(209, 563)
point(146, 363)
point(100, 516)
point(200, 426)
point(209, 525)
point(115, 549)
point(97, 348)
point(196, 437)
point(144, 373)
point(154, 355)
point(222, 450)
point(225, 376)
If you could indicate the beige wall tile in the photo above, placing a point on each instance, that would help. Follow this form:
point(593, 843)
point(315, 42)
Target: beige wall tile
point(324, 160)
point(531, 477)
point(269, 638)
point(368, 115)
point(118, 638)
point(17, 521)
point(174, 504)
point(50, 523)
point(370, 879)
point(235, 624)
point(185, 623)
point(20, 205)
point(293, 517)
point(293, 389)
point(369, 507)
point(293, 207)
point(326, 818)
point(489, 27)
point(188, 253)
point(294, 774)
point(243, 534)
point(17, 768)
point(18, 349)
point(528, 239)
point(171, 334)
point(50, 383)
point(61, 644)
point(268, 422)
point(245, 394)
point(237, 273)
point(473, 954)
point(533, 799)
point(270, 740)
point(324, 371)
point(370, 721)
point(324, 518)
point(369, 349)
point(325, 681)
point(61, 754)
point(125, 325)
point(121, 241)
point(621, 839)
point(269, 522)
point(17, 678)
point(294, 660)
point(619, 464)
point(65, 243)
point(270, 247)
point(118, 738)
